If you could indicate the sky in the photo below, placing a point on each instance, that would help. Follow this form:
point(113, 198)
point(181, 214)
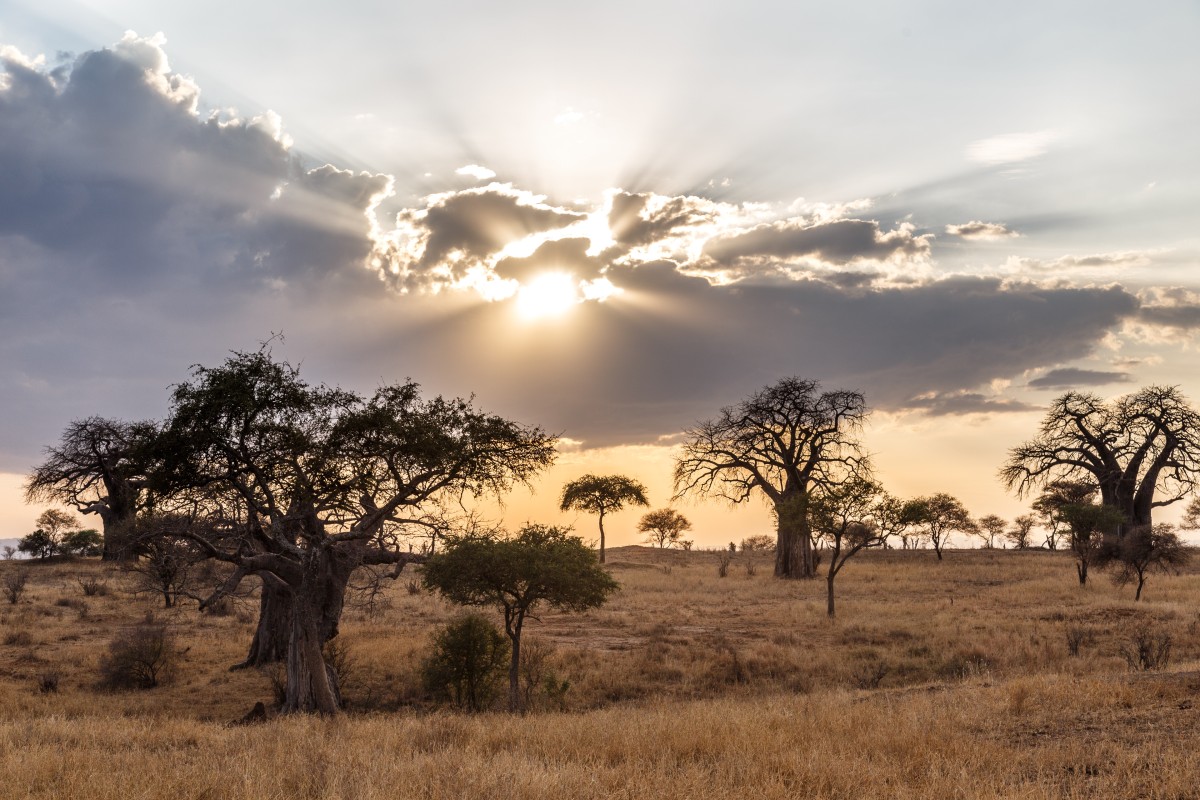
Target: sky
point(608, 220)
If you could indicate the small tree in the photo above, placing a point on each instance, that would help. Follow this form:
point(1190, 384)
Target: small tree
point(1020, 532)
point(602, 494)
point(1144, 548)
point(1050, 503)
point(843, 517)
point(940, 515)
point(38, 544)
point(86, 542)
point(664, 527)
point(467, 662)
point(1087, 524)
point(541, 564)
point(990, 528)
point(758, 543)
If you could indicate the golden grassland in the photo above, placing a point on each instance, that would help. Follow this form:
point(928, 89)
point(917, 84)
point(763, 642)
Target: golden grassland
point(937, 679)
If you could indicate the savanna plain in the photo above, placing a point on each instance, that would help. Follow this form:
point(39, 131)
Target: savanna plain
point(989, 674)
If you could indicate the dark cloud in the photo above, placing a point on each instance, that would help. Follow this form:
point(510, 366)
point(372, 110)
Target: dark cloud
point(959, 403)
point(838, 242)
point(1178, 316)
point(478, 223)
point(983, 231)
point(565, 255)
point(1071, 378)
point(634, 220)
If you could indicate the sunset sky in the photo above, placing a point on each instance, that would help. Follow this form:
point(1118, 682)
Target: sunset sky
point(606, 219)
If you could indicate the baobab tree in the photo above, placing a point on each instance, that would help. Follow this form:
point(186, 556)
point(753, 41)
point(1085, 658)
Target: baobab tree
point(783, 441)
point(99, 467)
point(1142, 451)
point(601, 495)
point(325, 478)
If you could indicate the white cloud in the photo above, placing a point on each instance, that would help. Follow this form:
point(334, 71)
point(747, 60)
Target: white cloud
point(479, 173)
point(1010, 148)
point(982, 231)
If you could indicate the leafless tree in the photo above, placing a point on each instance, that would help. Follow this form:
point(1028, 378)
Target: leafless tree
point(783, 441)
point(1021, 531)
point(1146, 548)
point(98, 467)
point(1142, 451)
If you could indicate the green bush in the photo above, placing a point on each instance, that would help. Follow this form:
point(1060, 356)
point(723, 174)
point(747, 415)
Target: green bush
point(467, 665)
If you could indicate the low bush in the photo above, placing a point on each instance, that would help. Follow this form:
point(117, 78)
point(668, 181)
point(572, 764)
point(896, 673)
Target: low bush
point(139, 657)
point(468, 663)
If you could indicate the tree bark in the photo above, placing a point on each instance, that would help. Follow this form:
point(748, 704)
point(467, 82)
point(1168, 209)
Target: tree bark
point(829, 610)
point(793, 544)
point(1081, 568)
point(270, 643)
point(514, 668)
point(601, 537)
point(312, 684)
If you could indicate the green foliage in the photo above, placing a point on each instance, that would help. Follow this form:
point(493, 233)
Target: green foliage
point(665, 527)
point(467, 664)
point(540, 564)
point(86, 542)
point(601, 494)
point(38, 544)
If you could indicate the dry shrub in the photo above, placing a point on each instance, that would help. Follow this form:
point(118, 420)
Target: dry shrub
point(18, 639)
point(541, 684)
point(92, 586)
point(14, 584)
point(723, 564)
point(139, 657)
point(1077, 637)
point(1147, 649)
point(47, 683)
point(870, 674)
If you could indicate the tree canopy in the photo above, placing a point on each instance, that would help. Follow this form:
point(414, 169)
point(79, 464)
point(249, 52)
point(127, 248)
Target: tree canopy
point(540, 565)
point(782, 441)
point(601, 495)
point(314, 482)
point(1142, 450)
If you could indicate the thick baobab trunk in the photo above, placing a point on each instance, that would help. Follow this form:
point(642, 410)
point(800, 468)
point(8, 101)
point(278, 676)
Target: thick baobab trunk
point(793, 546)
point(312, 684)
point(270, 643)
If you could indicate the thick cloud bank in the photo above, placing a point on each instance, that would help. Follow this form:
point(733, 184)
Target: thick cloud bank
point(141, 233)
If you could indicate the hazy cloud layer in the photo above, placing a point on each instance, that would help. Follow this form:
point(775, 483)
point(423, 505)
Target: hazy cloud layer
point(839, 242)
point(1073, 378)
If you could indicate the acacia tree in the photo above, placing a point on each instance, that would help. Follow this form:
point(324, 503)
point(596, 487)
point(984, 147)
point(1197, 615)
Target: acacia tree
point(1142, 451)
point(1086, 524)
point(940, 515)
point(664, 527)
point(989, 528)
point(541, 564)
point(99, 467)
point(323, 476)
point(1021, 530)
point(784, 441)
point(850, 517)
point(1056, 496)
point(600, 495)
point(1146, 548)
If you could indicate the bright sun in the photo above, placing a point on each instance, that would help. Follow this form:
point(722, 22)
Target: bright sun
point(550, 294)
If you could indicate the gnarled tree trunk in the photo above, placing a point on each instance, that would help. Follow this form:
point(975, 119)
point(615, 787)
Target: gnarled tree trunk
point(793, 546)
point(312, 684)
point(270, 643)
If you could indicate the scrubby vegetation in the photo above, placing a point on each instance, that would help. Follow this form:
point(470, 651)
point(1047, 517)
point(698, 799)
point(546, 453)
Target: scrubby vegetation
point(990, 673)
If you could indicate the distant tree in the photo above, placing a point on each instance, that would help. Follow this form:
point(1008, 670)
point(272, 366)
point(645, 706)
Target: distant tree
point(940, 515)
point(39, 544)
point(56, 523)
point(989, 528)
point(601, 495)
point(168, 557)
point(758, 543)
point(1021, 531)
point(785, 441)
point(664, 527)
point(541, 564)
point(1191, 517)
point(8, 552)
point(1146, 548)
point(1058, 495)
point(99, 467)
point(845, 518)
point(85, 542)
point(1087, 525)
point(1142, 451)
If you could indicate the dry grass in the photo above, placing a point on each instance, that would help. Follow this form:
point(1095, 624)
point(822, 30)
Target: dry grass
point(950, 679)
